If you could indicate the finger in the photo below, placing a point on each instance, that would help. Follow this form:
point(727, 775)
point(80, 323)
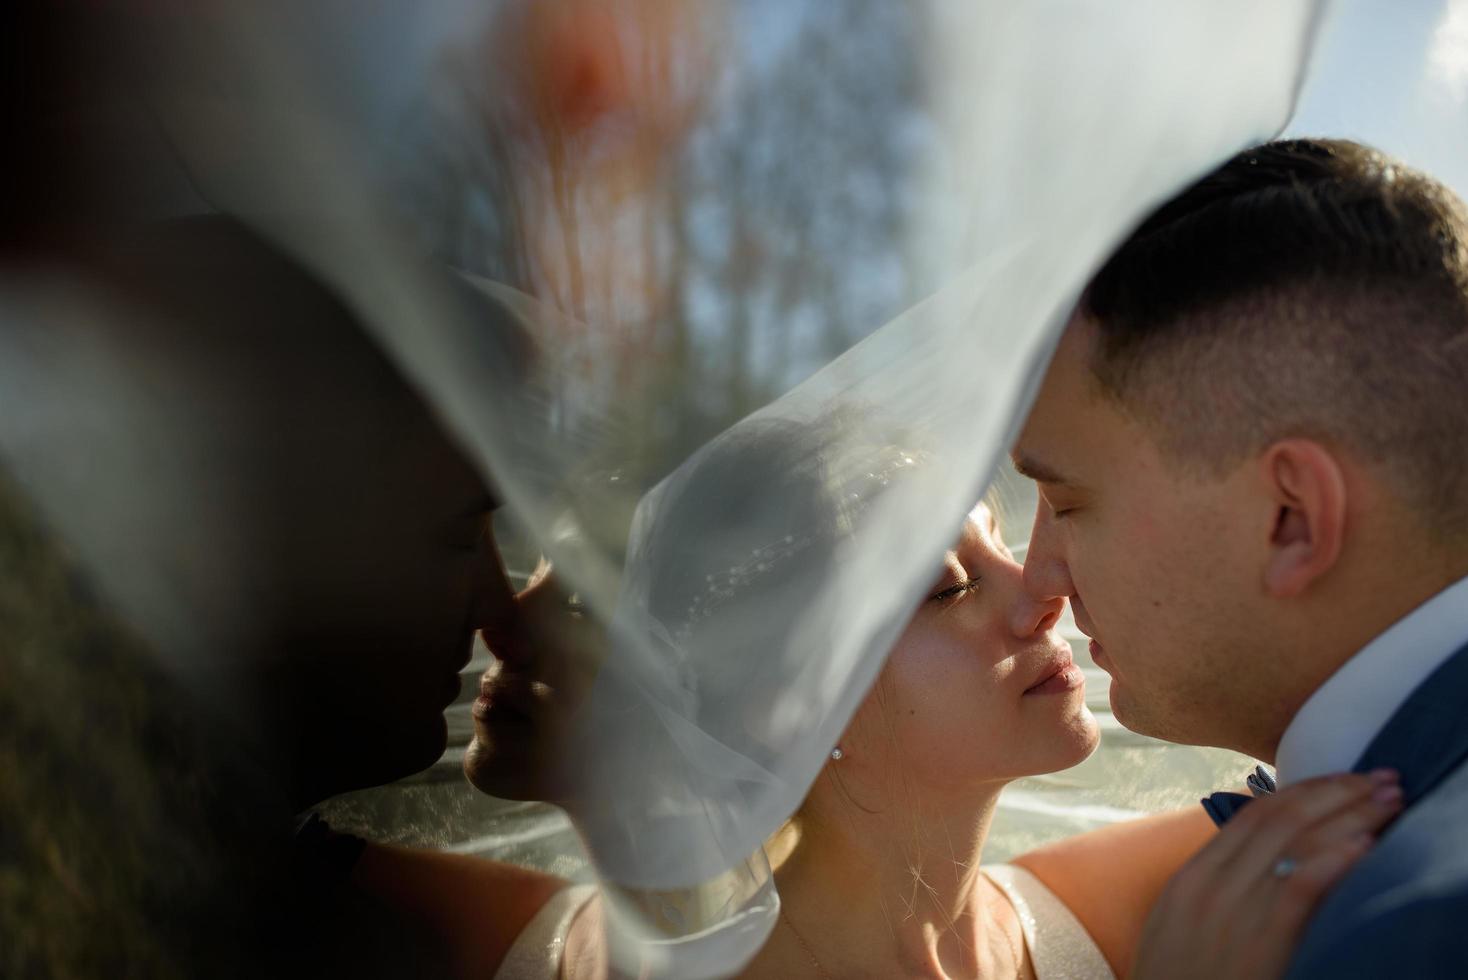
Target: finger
point(1349, 800)
point(1367, 817)
point(1266, 930)
point(1232, 863)
point(1295, 897)
point(1257, 835)
point(1371, 815)
point(1306, 823)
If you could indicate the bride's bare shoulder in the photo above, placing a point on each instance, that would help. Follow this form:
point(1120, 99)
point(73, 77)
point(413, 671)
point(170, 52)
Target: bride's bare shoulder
point(1110, 878)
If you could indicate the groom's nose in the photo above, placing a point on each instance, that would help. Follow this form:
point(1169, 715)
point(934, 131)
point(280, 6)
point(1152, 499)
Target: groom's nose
point(1046, 574)
point(1029, 615)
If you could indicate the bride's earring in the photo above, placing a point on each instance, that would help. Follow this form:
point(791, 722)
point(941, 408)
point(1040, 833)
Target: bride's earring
point(837, 755)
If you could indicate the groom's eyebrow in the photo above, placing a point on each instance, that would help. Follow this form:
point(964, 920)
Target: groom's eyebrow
point(1040, 472)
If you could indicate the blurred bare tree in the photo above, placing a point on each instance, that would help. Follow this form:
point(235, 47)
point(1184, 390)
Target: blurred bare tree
point(725, 216)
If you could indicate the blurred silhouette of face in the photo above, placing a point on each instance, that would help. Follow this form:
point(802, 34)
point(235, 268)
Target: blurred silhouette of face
point(375, 581)
point(329, 539)
point(979, 687)
point(528, 697)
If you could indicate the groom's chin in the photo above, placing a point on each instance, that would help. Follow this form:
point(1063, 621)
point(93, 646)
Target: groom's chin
point(1127, 712)
point(1150, 717)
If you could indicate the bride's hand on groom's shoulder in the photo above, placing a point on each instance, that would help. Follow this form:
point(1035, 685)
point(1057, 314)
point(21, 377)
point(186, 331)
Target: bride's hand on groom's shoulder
point(1239, 906)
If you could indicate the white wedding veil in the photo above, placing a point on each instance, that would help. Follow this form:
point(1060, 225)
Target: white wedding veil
point(859, 226)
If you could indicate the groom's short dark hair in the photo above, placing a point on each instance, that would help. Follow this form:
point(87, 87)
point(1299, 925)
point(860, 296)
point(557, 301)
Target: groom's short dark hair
point(1304, 288)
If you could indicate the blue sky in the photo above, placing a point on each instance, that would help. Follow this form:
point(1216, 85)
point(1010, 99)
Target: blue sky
point(1394, 73)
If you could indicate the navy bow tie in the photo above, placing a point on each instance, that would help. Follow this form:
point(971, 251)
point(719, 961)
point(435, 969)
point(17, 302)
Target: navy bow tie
point(1221, 806)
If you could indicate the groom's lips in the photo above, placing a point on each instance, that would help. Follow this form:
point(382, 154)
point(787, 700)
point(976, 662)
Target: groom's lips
point(1095, 649)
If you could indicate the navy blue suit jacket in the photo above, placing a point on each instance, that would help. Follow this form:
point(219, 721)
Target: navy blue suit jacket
point(1403, 910)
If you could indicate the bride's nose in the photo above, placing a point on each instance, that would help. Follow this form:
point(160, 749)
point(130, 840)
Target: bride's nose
point(495, 612)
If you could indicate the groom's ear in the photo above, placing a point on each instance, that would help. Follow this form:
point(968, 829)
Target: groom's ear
point(1308, 487)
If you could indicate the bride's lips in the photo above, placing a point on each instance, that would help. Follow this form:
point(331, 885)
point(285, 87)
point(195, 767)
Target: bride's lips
point(1060, 675)
point(497, 709)
point(502, 698)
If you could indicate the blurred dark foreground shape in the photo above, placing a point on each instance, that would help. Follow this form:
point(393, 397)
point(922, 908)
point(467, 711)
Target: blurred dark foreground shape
point(123, 852)
point(241, 563)
point(304, 558)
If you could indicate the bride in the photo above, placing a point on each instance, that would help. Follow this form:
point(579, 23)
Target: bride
point(880, 871)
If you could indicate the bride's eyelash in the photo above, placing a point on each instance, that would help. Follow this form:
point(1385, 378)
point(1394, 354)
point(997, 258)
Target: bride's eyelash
point(954, 591)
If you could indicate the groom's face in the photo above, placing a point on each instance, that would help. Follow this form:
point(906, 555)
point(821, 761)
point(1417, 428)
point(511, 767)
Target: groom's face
point(1155, 561)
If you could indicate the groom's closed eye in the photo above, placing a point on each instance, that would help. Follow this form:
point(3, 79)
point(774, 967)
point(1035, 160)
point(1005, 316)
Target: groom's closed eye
point(1059, 508)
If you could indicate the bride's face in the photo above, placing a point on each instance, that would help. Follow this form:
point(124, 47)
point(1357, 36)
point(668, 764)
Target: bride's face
point(523, 715)
point(980, 687)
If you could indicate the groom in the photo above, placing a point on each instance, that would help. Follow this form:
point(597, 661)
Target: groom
point(1252, 456)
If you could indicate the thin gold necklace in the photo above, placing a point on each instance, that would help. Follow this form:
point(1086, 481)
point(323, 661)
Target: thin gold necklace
point(804, 945)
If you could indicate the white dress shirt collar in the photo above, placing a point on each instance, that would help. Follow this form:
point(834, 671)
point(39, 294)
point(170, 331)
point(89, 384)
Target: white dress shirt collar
point(1338, 722)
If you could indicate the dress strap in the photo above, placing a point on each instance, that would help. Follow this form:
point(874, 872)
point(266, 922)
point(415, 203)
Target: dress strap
point(1060, 948)
point(538, 950)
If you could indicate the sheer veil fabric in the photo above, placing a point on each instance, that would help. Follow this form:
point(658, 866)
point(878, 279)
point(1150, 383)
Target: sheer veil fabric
point(1033, 136)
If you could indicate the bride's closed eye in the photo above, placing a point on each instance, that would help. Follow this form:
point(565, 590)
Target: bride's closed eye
point(954, 591)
